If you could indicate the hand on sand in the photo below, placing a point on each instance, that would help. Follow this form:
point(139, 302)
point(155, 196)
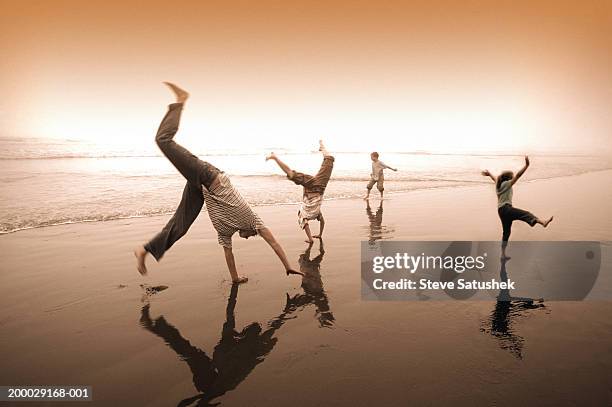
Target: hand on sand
point(140, 253)
point(240, 280)
point(181, 95)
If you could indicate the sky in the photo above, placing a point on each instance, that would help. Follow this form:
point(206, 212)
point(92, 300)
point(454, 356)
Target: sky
point(442, 76)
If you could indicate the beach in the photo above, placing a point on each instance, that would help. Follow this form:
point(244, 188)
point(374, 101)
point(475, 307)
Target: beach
point(73, 311)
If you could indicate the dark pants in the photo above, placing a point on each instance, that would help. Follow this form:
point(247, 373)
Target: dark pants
point(318, 182)
point(195, 171)
point(508, 214)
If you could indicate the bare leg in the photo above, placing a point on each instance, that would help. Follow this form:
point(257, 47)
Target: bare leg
point(281, 164)
point(231, 265)
point(322, 226)
point(267, 235)
point(369, 187)
point(307, 230)
point(504, 257)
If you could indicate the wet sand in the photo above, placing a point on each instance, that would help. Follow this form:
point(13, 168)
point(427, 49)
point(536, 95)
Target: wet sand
point(73, 312)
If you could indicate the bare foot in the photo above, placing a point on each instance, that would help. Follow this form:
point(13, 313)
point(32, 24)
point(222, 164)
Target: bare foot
point(298, 273)
point(141, 254)
point(367, 197)
point(240, 280)
point(271, 156)
point(181, 95)
point(322, 148)
point(317, 236)
point(309, 241)
point(546, 222)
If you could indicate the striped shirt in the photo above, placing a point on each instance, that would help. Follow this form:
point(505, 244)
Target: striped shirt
point(310, 209)
point(228, 211)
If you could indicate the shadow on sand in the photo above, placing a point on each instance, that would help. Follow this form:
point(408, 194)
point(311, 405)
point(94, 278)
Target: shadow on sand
point(233, 358)
point(507, 312)
point(239, 352)
point(312, 284)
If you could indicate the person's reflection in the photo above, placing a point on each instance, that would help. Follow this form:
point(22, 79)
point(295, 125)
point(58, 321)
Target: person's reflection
point(312, 284)
point(234, 357)
point(375, 221)
point(508, 310)
point(377, 230)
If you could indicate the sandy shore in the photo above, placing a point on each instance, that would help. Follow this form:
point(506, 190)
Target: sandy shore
point(73, 312)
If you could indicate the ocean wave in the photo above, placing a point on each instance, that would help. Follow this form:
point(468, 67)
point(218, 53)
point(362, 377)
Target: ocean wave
point(12, 227)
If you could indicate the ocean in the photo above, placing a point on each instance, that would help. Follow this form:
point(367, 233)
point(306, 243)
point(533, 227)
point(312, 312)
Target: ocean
point(52, 182)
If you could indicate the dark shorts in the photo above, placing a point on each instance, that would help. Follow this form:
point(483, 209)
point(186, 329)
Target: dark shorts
point(508, 214)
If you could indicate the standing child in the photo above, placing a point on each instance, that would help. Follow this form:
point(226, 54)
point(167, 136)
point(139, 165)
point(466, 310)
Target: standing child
point(314, 187)
point(377, 177)
point(508, 213)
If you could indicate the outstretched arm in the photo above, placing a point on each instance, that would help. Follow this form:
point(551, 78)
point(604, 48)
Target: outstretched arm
point(231, 265)
point(267, 235)
point(387, 167)
point(321, 225)
point(521, 171)
point(486, 173)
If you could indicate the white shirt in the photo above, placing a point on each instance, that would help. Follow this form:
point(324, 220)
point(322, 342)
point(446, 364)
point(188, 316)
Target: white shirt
point(310, 208)
point(377, 169)
point(504, 194)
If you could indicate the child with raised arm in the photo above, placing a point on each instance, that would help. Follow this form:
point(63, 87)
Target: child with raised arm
point(314, 187)
point(508, 213)
point(377, 176)
point(228, 210)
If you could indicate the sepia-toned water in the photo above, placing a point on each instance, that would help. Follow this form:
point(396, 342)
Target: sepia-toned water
point(52, 182)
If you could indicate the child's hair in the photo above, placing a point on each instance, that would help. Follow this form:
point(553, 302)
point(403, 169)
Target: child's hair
point(504, 176)
point(374, 154)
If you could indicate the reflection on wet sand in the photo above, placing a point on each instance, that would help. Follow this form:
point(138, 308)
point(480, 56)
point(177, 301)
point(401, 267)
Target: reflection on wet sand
point(233, 359)
point(508, 310)
point(377, 229)
point(312, 284)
